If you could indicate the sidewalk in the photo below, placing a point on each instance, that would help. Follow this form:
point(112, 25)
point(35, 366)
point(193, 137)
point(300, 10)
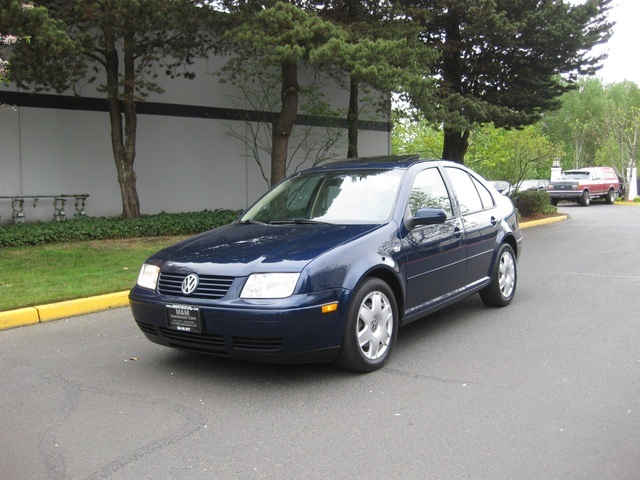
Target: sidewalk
point(81, 306)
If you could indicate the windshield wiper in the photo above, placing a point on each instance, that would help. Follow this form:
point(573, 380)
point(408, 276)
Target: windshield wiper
point(297, 221)
point(251, 221)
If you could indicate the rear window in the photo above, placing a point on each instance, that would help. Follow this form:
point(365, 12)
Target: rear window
point(575, 175)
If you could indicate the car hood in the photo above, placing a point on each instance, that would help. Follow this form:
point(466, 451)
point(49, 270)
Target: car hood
point(239, 249)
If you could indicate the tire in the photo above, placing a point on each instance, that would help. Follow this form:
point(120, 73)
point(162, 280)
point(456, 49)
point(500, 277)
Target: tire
point(554, 202)
point(584, 199)
point(504, 279)
point(611, 197)
point(370, 327)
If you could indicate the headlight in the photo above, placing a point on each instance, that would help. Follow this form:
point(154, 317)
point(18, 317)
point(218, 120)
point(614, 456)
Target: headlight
point(148, 276)
point(270, 285)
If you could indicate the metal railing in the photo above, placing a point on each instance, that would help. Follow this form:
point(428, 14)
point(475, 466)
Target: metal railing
point(59, 204)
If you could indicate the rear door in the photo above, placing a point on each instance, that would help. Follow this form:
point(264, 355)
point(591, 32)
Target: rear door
point(480, 220)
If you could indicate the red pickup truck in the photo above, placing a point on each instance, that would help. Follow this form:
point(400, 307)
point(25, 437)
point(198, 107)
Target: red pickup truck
point(584, 184)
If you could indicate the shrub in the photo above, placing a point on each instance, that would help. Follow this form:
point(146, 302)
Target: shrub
point(531, 203)
point(102, 228)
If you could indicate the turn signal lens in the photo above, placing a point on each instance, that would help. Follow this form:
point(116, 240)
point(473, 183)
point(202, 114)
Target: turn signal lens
point(332, 307)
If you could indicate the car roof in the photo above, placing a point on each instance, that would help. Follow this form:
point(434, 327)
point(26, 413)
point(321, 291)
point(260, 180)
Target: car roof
point(381, 161)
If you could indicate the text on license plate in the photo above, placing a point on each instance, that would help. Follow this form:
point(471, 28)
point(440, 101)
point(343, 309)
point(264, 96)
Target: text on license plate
point(185, 318)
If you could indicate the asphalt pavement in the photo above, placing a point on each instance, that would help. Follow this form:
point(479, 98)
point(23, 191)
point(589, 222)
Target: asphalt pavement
point(546, 388)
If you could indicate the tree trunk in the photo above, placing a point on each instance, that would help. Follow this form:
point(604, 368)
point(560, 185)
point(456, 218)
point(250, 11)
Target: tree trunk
point(352, 119)
point(456, 145)
point(123, 137)
point(284, 121)
point(456, 140)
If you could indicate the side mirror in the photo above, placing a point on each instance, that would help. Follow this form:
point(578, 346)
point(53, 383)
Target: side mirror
point(429, 216)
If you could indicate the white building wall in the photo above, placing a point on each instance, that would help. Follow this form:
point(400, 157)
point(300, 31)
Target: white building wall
point(182, 163)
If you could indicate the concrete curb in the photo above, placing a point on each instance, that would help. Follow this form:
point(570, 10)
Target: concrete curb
point(544, 221)
point(54, 311)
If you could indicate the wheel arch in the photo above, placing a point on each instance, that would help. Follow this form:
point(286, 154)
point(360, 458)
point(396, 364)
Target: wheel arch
point(510, 239)
point(391, 279)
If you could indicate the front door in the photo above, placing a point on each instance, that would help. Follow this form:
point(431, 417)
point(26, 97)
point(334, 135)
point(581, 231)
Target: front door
point(434, 254)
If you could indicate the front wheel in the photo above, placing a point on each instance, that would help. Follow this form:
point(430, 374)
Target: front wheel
point(584, 199)
point(504, 277)
point(370, 327)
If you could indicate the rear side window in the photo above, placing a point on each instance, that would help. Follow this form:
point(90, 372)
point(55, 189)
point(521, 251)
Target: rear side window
point(485, 196)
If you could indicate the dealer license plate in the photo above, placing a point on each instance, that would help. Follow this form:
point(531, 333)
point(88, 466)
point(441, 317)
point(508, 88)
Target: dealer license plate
point(185, 318)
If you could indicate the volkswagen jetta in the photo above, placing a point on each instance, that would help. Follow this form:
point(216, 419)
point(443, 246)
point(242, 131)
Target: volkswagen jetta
point(330, 262)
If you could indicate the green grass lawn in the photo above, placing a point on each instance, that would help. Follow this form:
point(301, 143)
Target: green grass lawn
point(51, 273)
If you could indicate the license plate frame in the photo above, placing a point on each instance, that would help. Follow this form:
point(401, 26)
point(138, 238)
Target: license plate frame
point(184, 318)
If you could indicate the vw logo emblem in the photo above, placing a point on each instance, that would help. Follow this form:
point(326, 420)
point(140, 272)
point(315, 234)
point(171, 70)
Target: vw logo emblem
point(189, 284)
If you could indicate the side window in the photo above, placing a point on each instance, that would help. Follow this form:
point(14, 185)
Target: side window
point(485, 196)
point(429, 191)
point(468, 197)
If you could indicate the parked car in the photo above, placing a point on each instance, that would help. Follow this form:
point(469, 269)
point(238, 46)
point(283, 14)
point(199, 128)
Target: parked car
point(502, 186)
point(532, 185)
point(584, 184)
point(330, 262)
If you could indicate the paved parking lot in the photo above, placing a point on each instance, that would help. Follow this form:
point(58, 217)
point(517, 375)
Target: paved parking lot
point(548, 387)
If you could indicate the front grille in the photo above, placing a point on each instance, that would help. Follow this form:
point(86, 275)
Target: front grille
point(210, 287)
point(148, 329)
point(257, 344)
point(194, 341)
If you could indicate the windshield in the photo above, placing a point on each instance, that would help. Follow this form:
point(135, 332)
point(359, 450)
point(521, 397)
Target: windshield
point(362, 197)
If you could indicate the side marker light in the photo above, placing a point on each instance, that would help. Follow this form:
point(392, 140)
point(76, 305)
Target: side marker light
point(332, 307)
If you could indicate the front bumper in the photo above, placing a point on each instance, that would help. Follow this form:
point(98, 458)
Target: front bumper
point(293, 330)
point(565, 194)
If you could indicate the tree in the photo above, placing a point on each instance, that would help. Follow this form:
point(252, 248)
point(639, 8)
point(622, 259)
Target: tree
point(378, 50)
point(598, 124)
point(574, 124)
point(619, 131)
point(125, 42)
point(505, 61)
point(22, 22)
point(416, 136)
point(512, 155)
point(282, 36)
point(257, 85)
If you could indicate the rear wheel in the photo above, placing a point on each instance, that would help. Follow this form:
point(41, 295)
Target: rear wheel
point(502, 288)
point(584, 199)
point(370, 327)
point(554, 202)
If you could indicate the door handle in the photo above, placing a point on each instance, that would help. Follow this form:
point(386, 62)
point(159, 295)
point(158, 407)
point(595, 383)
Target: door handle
point(494, 221)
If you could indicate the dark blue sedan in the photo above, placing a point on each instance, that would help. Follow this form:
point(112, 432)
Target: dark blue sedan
point(330, 262)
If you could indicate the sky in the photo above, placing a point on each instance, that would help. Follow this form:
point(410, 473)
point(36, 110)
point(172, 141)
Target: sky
point(623, 62)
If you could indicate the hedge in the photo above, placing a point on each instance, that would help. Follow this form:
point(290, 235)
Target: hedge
point(102, 228)
point(532, 202)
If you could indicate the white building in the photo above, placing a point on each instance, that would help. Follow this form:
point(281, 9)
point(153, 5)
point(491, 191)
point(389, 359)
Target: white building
point(186, 160)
